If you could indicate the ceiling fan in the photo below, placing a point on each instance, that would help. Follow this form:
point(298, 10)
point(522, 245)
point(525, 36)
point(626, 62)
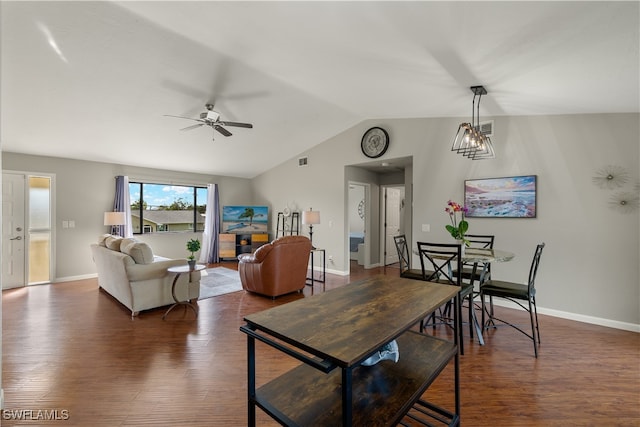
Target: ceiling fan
point(212, 118)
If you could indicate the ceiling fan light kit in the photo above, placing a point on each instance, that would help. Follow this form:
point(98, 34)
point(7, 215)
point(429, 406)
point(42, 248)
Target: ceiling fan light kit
point(210, 115)
point(470, 141)
point(212, 118)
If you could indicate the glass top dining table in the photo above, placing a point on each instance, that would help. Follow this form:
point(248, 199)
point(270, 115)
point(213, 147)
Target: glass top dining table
point(482, 255)
point(485, 255)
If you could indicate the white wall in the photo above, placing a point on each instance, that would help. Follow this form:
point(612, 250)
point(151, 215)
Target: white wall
point(590, 265)
point(85, 190)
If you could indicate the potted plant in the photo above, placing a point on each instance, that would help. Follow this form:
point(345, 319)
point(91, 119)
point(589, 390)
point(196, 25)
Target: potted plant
point(457, 229)
point(193, 246)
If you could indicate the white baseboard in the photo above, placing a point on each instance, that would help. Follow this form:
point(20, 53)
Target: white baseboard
point(73, 278)
point(337, 272)
point(616, 324)
point(331, 271)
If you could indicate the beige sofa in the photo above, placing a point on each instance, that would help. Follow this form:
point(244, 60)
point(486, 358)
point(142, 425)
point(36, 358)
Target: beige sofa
point(130, 272)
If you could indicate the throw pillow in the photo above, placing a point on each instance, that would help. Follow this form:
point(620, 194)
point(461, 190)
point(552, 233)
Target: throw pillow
point(140, 252)
point(101, 240)
point(113, 242)
point(126, 242)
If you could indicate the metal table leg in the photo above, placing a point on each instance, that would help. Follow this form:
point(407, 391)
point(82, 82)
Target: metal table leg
point(178, 302)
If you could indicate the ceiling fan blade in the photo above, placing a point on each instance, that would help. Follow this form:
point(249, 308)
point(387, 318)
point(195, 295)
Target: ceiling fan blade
point(193, 126)
point(237, 124)
point(222, 130)
point(181, 117)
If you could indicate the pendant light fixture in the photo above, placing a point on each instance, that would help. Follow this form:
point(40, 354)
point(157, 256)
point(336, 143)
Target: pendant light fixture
point(470, 141)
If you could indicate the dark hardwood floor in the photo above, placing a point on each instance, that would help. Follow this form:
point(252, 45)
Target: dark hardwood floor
point(70, 347)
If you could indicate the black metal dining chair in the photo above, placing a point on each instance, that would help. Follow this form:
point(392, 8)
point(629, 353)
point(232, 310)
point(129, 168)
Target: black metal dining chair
point(515, 292)
point(405, 259)
point(477, 272)
point(440, 262)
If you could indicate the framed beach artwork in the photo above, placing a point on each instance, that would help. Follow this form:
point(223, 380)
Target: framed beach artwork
point(508, 197)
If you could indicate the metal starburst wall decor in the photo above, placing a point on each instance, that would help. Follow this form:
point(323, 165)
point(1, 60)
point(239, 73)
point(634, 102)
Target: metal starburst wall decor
point(611, 177)
point(624, 201)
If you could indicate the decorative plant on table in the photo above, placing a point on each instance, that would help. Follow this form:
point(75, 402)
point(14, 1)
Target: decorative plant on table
point(457, 229)
point(193, 246)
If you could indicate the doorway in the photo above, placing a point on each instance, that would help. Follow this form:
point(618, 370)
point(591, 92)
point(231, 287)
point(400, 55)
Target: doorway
point(357, 215)
point(376, 176)
point(27, 218)
point(393, 211)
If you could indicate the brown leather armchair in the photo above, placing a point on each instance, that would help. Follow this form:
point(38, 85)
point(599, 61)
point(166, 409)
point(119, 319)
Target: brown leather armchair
point(276, 268)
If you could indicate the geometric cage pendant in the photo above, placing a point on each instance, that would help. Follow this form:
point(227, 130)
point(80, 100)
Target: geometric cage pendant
point(469, 140)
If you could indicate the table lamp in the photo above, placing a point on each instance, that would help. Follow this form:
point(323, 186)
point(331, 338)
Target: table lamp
point(114, 220)
point(311, 217)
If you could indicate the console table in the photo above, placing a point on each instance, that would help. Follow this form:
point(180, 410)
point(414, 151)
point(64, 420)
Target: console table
point(332, 334)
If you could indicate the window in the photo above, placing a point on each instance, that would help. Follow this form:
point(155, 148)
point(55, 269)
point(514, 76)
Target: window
point(166, 207)
point(39, 220)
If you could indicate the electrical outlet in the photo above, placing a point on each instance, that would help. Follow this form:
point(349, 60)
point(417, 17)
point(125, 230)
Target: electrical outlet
point(426, 227)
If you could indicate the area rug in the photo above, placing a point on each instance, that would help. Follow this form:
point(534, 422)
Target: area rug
point(219, 281)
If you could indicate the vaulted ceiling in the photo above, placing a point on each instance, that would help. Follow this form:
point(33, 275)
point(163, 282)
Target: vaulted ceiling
point(94, 80)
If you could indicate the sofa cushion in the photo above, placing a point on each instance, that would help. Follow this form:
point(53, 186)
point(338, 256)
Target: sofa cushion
point(126, 242)
point(102, 240)
point(139, 251)
point(113, 242)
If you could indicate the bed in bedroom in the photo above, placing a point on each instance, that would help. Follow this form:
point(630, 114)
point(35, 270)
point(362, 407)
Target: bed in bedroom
point(355, 239)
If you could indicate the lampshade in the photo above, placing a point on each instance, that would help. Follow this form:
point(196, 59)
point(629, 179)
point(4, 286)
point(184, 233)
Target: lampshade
point(469, 140)
point(311, 217)
point(114, 218)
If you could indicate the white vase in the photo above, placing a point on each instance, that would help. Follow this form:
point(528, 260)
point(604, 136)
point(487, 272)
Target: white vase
point(462, 246)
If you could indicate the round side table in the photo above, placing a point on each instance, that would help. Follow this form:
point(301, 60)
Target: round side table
point(178, 270)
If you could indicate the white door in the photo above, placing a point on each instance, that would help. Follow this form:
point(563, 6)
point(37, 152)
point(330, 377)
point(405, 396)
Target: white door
point(13, 235)
point(393, 198)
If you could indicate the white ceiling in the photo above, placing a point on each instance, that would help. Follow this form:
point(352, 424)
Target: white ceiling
point(92, 80)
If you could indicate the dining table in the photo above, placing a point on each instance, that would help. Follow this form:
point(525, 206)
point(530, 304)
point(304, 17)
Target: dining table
point(480, 258)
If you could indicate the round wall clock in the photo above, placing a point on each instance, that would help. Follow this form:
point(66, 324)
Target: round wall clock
point(375, 142)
